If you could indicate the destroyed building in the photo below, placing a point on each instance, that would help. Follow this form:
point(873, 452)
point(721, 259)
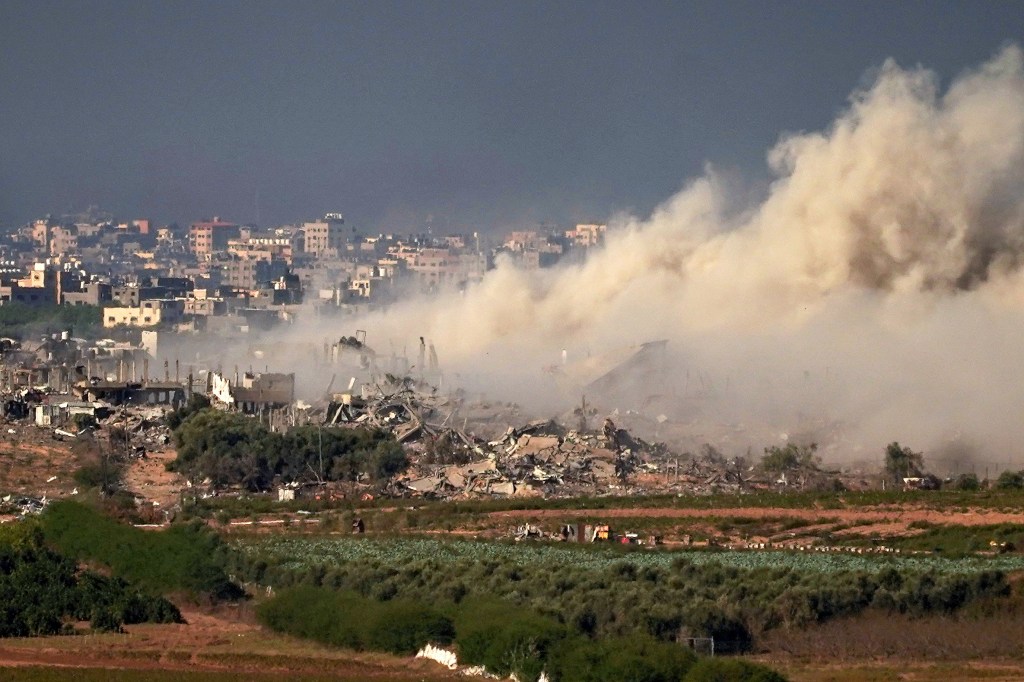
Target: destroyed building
point(255, 392)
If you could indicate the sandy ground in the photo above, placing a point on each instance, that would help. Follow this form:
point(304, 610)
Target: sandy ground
point(211, 642)
point(30, 457)
point(34, 463)
point(149, 478)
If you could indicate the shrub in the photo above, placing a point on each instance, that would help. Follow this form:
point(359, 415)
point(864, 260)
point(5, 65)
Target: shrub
point(41, 589)
point(106, 475)
point(967, 482)
point(731, 670)
point(504, 638)
point(401, 627)
point(1010, 480)
point(183, 557)
point(632, 659)
point(348, 620)
point(105, 620)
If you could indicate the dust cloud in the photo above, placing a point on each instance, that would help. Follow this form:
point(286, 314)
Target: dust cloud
point(875, 292)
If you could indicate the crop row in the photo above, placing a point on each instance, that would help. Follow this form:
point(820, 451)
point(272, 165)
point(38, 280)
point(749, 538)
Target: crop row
point(304, 552)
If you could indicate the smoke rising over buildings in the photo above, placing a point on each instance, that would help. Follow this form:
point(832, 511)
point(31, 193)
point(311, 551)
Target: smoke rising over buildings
point(877, 283)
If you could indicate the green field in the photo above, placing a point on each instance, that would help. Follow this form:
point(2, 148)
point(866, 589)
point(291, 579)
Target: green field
point(303, 552)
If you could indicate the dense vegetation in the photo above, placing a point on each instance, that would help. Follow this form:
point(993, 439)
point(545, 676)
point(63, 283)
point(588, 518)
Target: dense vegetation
point(42, 592)
point(232, 449)
point(616, 597)
point(306, 551)
point(187, 557)
point(497, 634)
point(20, 321)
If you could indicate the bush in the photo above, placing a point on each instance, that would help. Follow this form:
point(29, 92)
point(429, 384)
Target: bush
point(633, 659)
point(19, 320)
point(348, 620)
point(105, 620)
point(731, 670)
point(504, 638)
point(792, 457)
point(105, 474)
point(400, 627)
point(1010, 480)
point(183, 557)
point(315, 613)
point(41, 589)
point(230, 448)
point(967, 482)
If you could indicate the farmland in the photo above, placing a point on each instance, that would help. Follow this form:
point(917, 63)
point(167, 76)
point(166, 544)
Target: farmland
point(306, 551)
point(933, 607)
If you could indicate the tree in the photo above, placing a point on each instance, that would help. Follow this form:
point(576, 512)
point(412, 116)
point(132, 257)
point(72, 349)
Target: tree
point(967, 482)
point(230, 448)
point(388, 459)
point(1010, 480)
point(195, 403)
point(790, 458)
point(902, 462)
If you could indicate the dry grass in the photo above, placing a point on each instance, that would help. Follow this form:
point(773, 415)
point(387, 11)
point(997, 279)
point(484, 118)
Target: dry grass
point(212, 646)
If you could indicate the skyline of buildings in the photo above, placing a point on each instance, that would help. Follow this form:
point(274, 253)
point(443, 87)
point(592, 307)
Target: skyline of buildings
point(216, 271)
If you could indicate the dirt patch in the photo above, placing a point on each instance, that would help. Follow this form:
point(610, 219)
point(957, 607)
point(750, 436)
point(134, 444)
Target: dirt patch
point(149, 478)
point(33, 463)
point(212, 642)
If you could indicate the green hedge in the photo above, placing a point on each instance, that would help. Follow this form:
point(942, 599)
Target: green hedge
point(41, 591)
point(731, 670)
point(185, 557)
point(347, 620)
point(498, 635)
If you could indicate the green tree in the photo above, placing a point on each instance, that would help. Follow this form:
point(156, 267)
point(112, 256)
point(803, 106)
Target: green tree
point(792, 457)
point(967, 482)
point(902, 462)
point(387, 460)
point(1010, 480)
point(195, 403)
point(231, 448)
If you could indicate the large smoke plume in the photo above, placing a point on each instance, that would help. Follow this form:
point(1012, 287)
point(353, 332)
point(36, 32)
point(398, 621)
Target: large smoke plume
point(877, 283)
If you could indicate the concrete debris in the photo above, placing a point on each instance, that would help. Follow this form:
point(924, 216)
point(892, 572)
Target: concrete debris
point(22, 506)
point(457, 451)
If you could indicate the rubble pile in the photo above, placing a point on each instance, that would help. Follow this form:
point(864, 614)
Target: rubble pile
point(538, 458)
point(145, 429)
point(22, 506)
point(708, 473)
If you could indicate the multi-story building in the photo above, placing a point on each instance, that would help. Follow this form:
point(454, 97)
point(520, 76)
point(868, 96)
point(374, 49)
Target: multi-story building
point(63, 241)
point(210, 236)
point(43, 286)
point(327, 237)
point(150, 313)
point(92, 293)
point(437, 267)
point(586, 236)
point(245, 273)
point(41, 234)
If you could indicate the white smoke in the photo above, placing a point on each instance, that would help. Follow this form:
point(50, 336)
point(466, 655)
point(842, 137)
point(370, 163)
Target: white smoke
point(883, 264)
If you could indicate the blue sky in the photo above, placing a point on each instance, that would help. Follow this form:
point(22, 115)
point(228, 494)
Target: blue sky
point(479, 115)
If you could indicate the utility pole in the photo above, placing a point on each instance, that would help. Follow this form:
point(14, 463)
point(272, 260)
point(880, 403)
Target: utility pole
point(320, 449)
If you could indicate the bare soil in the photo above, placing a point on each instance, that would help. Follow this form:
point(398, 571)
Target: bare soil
point(148, 477)
point(31, 456)
point(212, 642)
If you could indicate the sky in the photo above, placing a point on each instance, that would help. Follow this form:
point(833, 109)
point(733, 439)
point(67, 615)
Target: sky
point(468, 116)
